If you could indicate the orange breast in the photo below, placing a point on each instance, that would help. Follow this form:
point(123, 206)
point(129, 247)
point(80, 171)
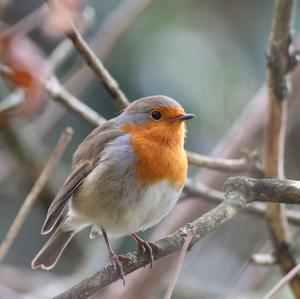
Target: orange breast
point(159, 152)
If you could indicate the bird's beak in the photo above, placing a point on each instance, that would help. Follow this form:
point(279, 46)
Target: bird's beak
point(184, 116)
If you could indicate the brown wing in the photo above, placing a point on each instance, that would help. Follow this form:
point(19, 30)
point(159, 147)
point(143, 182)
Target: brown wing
point(72, 182)
point(85, 158)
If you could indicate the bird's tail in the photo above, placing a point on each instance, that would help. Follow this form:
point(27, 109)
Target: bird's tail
point(52, 250)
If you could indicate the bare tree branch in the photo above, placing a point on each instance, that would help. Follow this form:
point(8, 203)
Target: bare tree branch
point(201, 191)
point(180, 261)
point(60, 94)
point(239, 191)
point(283, 281)
point(34, 193)
point(278, 67)
point(248, 163)
point(110, 84)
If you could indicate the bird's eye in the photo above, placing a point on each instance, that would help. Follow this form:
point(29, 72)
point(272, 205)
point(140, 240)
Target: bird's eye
point(156, 115)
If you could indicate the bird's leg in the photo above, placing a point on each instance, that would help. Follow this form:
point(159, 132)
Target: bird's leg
point(145, 247)
point(115, 259)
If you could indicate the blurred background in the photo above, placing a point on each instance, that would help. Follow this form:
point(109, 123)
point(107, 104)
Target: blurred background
point(210, 56)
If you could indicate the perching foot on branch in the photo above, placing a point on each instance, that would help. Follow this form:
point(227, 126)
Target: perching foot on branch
point(145, 247)
point(115, 259)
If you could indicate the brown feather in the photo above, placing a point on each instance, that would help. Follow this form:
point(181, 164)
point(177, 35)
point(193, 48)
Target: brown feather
point(52, 250)
point(84, 160)
point(73, 181)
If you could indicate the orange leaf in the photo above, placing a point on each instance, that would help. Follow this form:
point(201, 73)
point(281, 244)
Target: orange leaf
point(27, 62)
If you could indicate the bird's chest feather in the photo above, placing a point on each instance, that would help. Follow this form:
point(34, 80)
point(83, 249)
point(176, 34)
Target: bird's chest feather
point(157, 201)
point(159, 154)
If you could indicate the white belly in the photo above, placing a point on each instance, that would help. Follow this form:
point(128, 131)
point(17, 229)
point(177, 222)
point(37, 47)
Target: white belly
point(156, 202)
point(138, 209)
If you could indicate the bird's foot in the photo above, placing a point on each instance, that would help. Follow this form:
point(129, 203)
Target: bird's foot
point(117, 261)
point(145, 247)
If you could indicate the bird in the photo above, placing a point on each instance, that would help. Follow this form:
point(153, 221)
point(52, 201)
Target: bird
point(126, 176)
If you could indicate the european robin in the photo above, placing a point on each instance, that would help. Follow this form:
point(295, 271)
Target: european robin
point(126, 176)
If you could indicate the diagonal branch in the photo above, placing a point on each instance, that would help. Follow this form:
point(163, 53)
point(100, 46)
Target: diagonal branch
point(61, 95)
point(281, 283)
point(110, 84)
point(239, 191)
point(35, 192)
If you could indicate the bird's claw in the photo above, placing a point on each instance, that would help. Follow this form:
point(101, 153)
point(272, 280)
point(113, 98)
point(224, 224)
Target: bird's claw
point(146, 247)
point(116, 261)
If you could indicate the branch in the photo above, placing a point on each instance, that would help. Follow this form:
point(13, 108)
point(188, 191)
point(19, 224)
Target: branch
point(284, 280)
point(248, 163)
point(203, 192)
point(96, 65)
point(278, 67)
point(34, 193)
point(179, 264)
point(239, 191)
point(60, 94)
point(99, 69)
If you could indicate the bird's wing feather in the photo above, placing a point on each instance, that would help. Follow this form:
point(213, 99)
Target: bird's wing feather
point(72, 182)
point(85, 158)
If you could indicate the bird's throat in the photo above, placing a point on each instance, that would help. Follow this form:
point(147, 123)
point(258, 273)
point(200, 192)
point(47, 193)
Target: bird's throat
point(159, 153)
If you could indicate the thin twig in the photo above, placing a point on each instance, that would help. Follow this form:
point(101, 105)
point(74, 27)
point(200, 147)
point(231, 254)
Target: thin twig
point(179, 264)
point(227, 165)
point(282, 282)
point(96, 65)
point(34, 193)
point(239, 191)
point(60, 94)
point(278, 67)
